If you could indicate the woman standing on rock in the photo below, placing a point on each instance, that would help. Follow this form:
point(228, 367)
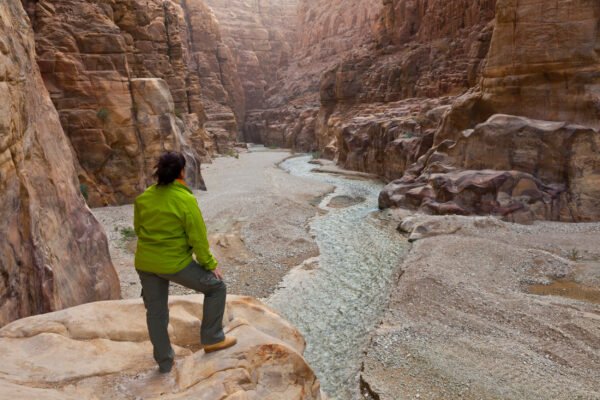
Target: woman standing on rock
point(169, 227)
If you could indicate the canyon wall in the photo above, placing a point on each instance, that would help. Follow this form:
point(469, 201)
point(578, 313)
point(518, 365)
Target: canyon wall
point(543, 63)
point(54, 253)
point(91, 54)
point(260, 34)
point(397, 88)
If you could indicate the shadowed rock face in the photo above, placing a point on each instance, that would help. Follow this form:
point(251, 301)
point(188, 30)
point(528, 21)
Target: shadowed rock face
point(102, 351)
point(260, 34)
point(513, 167)
point(542, 63)
point(54, 253)
point(91, 52)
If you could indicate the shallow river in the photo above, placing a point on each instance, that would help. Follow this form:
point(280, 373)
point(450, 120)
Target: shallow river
point(339, 303)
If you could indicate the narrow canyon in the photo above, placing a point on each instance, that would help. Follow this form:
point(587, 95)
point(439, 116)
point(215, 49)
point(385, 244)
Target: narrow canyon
point(410, 188)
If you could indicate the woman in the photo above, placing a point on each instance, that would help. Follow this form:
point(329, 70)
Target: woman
point(169, 227)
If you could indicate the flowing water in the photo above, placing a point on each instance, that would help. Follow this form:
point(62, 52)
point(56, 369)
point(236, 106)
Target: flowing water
point(337, 305)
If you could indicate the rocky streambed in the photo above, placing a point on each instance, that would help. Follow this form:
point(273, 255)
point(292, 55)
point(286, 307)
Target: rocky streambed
point(337, 300)
point(473, 308)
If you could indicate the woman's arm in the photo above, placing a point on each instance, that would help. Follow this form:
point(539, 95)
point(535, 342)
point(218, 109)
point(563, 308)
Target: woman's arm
point(197, 237)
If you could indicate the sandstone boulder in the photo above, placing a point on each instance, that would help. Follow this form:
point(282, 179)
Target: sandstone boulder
point(54, 254)
point(102, 351)
point(514, 167)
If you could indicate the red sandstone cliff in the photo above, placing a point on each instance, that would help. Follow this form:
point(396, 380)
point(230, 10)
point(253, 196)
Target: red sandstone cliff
point(91, 54)
point(397, 87)
point(54, 254)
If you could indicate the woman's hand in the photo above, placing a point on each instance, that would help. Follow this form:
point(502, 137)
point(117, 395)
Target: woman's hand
point(217, 274)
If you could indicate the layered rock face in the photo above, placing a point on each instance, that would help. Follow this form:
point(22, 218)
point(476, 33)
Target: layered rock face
point(91, 54)
point(360, 59)
point(102, 351)
point(514, 167)
point(54, 253)
point(558, 163)
point(260, 34)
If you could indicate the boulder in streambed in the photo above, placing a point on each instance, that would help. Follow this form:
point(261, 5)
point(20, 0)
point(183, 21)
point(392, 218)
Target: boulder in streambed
point(101, 351)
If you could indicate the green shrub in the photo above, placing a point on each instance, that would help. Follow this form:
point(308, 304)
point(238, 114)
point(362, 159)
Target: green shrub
point(232, 153)
point(102, 115)
point(316, 154)
point(273, 147)
point(127, 233)
point(84, 192)
point(177, 112)
point(574, 255)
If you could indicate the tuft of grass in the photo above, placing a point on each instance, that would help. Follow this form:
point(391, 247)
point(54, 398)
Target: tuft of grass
point(127, 233)
point(232, 153)
point(574, 255)
point(102, 115)
point(84, 192)
point(316, 154)
point(177, 112)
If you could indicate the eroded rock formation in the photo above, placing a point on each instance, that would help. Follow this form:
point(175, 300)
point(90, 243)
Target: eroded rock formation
point(90, 54)
point(397, 88)
point(102, 351)
point(513, 167)
point(558, 164)
point(54, 254)
point(260, 34)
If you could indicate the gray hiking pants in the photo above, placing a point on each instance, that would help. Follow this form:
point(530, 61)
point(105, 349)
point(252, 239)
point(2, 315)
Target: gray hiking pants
point(155, 291)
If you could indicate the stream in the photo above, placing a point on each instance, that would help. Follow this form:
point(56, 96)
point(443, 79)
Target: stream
point(337, 304)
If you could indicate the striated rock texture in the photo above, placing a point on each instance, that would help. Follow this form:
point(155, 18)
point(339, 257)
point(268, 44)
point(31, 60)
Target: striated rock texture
point(260, 34)
point(90, 53)
point(536, 69)
point(54, 254)
point(359, 59)
point(513, 167)
point(102, 351)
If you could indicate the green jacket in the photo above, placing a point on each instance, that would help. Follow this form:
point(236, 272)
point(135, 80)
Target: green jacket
point(169, 227)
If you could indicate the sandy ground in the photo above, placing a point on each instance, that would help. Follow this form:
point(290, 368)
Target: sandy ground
point(463, 322)
point(257, 218)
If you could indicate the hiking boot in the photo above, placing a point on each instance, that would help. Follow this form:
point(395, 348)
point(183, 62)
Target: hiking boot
point(165, 368)
point(227, 342)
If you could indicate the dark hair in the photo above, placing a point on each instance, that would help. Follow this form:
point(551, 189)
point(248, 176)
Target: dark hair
point(169, 167)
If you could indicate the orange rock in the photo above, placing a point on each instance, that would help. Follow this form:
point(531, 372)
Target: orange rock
point(102, 351)
point(54, 253)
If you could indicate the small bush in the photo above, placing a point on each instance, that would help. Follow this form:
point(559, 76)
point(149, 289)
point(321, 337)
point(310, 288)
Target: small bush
point(574, 255)
point(102, 115)
point(273, 147)
point(127, 233)
point(177, 112)
point(84, 192)
point(316, 154)
point(232, 153)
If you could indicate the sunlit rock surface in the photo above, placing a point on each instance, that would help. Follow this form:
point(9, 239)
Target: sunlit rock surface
point(89, 54)
point(102, 351)
point(54, 254)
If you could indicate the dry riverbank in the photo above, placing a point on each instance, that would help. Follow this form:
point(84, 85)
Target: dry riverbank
point(257, 218)
point(462, 322)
